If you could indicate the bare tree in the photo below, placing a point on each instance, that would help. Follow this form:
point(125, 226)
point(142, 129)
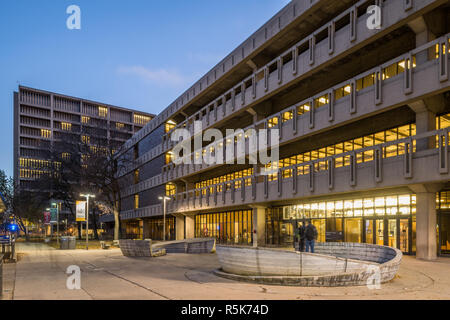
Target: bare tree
point(90, 165)
point(23, 205)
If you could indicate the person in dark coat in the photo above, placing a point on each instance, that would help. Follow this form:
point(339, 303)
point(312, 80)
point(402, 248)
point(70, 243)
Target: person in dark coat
point(310, 236)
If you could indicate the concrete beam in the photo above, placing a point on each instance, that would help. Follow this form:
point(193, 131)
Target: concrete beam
point(252, 65)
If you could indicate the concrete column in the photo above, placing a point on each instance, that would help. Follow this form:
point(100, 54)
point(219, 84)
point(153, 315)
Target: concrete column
point(146, 230)
point(425, 122)
point(190, 227)
point(426, 235)
point(426, 226)
point(179, 221)
point(259, 226)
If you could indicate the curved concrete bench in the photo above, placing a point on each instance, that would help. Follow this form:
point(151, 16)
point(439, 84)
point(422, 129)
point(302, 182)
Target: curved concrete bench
point(198, 245)
point(333, 264)
point(139, 248)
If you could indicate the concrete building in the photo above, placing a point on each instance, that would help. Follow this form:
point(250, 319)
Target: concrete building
point(43, 118)
point(362, 107)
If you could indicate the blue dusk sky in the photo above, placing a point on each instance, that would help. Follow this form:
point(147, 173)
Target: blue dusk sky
point(139, 54)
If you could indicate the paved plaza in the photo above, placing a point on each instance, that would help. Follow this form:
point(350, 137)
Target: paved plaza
point(107, 274)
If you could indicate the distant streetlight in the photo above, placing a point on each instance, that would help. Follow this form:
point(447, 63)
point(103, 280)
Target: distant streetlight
point(164, 219)
point(87, 196)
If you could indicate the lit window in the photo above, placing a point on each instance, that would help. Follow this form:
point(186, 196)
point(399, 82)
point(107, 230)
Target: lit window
point(119, 126)
point(136, 176)
point(169, 126)
point(170, 189)
point(273, 122)
point(85, 119)
point(136, 201)
point(46, 133)
point(141, 119)
point(65, 155)
point(86, 139)
point(66, 126)
point(169, 157)
point(103, 112)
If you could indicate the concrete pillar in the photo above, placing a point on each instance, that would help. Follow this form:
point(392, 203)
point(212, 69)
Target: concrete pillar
point(146, 230)
point(190, 227)
point(426, 226)
point(259, 226)
point(425, 122)
point(179, 221)
point(189, 186)
point(426, 235)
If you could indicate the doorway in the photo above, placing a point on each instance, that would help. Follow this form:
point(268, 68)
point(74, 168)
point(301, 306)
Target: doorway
point(444, 232)
point(321, 229)
point(353, 230)
point(369, 231)
point(379, 224)
point(404, 235)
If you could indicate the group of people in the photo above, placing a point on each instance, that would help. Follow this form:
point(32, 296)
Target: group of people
point(307, 236)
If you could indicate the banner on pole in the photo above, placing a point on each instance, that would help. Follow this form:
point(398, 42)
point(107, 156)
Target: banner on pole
point(54, 215)
point(81, 210)
point(46, 217)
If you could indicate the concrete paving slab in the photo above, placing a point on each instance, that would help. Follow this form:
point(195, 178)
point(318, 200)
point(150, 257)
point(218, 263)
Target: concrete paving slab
point(107, 274)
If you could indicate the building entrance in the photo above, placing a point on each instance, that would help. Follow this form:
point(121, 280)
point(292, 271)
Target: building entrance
point(444, 232)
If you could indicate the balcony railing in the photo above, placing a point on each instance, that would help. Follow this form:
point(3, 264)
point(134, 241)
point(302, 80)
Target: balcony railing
point(304, 57)
point(383, 93)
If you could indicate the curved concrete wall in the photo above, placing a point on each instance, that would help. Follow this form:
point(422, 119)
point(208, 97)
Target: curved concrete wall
point(199, 245)
point(135, 248)
point(333, 264)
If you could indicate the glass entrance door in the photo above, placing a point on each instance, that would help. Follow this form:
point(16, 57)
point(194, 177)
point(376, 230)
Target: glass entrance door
point(353, 230)
point(404, 235)
point(379, 224)
point(369, 231)
point(444, 232)
point(320, 226)
point(392, 233)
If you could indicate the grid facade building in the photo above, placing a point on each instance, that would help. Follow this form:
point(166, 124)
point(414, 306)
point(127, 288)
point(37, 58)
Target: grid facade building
point(43, 118)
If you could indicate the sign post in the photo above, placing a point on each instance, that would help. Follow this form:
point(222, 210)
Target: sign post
point(87, 196)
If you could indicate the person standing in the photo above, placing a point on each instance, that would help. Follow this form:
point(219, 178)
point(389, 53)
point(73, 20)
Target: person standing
point(301, 237)
point(310, 235)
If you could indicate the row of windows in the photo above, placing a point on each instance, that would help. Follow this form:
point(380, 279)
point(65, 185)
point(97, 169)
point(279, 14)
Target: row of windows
point(34, 98)
point(354, 144)
point(141, 119)
point(370, 206)
point(350, 145)
point(155, 228)
point(38, 164)
point(225, 178)
point(233, 227)
point(35, 121)
point(32, 174)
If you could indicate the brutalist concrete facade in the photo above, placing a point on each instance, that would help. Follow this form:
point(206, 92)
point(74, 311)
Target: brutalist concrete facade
point(362, 116)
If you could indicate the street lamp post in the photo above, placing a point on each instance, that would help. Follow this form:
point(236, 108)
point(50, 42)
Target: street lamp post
point(87, 196)
point(164, 219)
